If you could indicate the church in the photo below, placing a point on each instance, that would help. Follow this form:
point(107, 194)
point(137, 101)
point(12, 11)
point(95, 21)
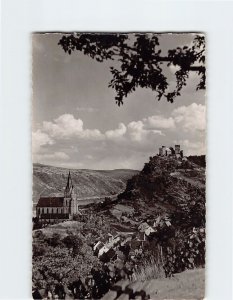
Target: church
point(57, 209)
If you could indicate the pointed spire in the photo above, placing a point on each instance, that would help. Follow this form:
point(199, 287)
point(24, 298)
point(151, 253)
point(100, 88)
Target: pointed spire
point(69, 181)
point(69, 186)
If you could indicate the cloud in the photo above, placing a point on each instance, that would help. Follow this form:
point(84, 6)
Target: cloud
point(40, 139)
point(138, 132)
point(117, 133)
point(187, 119)
point(66, 126)
point(190, 118)
point(159, 122)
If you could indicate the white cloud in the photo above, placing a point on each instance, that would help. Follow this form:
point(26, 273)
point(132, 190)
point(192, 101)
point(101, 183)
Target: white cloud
point(187, 118)
point(40, 139)
point(190, 118)
point(92, 134)
point(159, 122)
point(136, 130)
point(66, 126)
point(117, 133)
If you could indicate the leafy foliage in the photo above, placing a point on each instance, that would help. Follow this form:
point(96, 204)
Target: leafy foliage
point(187, 251)
point(140, 62)
point(70, 258)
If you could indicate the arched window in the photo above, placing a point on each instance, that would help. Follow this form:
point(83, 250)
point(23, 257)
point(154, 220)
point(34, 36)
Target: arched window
point(42, 210)
point(57, 210)
point(52, 210)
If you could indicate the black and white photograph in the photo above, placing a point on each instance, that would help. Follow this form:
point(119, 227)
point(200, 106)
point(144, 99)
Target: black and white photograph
point(119, 165)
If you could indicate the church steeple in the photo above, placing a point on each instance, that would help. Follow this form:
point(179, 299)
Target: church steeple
point(69, 187)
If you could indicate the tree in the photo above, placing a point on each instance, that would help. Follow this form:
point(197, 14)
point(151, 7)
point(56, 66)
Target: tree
point(139, 61)
point(56, 264)
point(73, 242)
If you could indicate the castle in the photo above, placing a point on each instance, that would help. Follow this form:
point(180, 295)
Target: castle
point(56, 209)
point(165, 151)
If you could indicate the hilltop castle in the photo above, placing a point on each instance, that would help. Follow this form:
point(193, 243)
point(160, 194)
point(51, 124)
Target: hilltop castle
point(56, 209)
point(165, 151)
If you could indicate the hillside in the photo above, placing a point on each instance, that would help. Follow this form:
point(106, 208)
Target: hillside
point(169, 196)
point(168, 186)
point(49, 180)
point(154, 229)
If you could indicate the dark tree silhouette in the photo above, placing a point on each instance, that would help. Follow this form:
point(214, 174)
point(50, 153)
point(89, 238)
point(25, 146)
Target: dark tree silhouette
point(140, 62)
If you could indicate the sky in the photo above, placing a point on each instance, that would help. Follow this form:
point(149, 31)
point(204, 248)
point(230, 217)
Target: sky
point(77, 124)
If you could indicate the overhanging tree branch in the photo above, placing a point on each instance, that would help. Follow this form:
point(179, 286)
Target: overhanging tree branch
point(139, 61)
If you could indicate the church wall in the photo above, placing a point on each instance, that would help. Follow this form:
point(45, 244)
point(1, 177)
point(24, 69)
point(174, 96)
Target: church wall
point(55, 210)
point(52, 210)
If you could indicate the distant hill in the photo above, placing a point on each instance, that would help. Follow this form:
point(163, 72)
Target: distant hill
point(49, 180)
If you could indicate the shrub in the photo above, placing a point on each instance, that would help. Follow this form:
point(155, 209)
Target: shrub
point(55, 240)
point(150, 269)
point(38, 234)
point(187, 252)
point(38, 250)
point(56, 264)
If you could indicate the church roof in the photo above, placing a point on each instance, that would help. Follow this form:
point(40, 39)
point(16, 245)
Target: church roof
point(50, 202)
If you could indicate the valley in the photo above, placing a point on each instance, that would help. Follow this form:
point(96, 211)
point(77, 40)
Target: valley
point(154, 225)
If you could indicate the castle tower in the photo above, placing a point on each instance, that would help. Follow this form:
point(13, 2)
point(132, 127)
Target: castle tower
point(181, 153)
point(177, 149)
point(163, 150)
point(160, 151)
point(172, 150)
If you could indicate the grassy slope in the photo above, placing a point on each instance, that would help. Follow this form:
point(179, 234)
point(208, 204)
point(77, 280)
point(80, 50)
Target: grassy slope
point(189, 284)
point(48, 180)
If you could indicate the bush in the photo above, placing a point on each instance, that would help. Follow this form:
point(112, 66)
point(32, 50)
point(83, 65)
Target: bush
point(150, 269)
point(188, 252)
point(38, 234)
point(55, 240)
point(56, 264)
point(38, 250)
